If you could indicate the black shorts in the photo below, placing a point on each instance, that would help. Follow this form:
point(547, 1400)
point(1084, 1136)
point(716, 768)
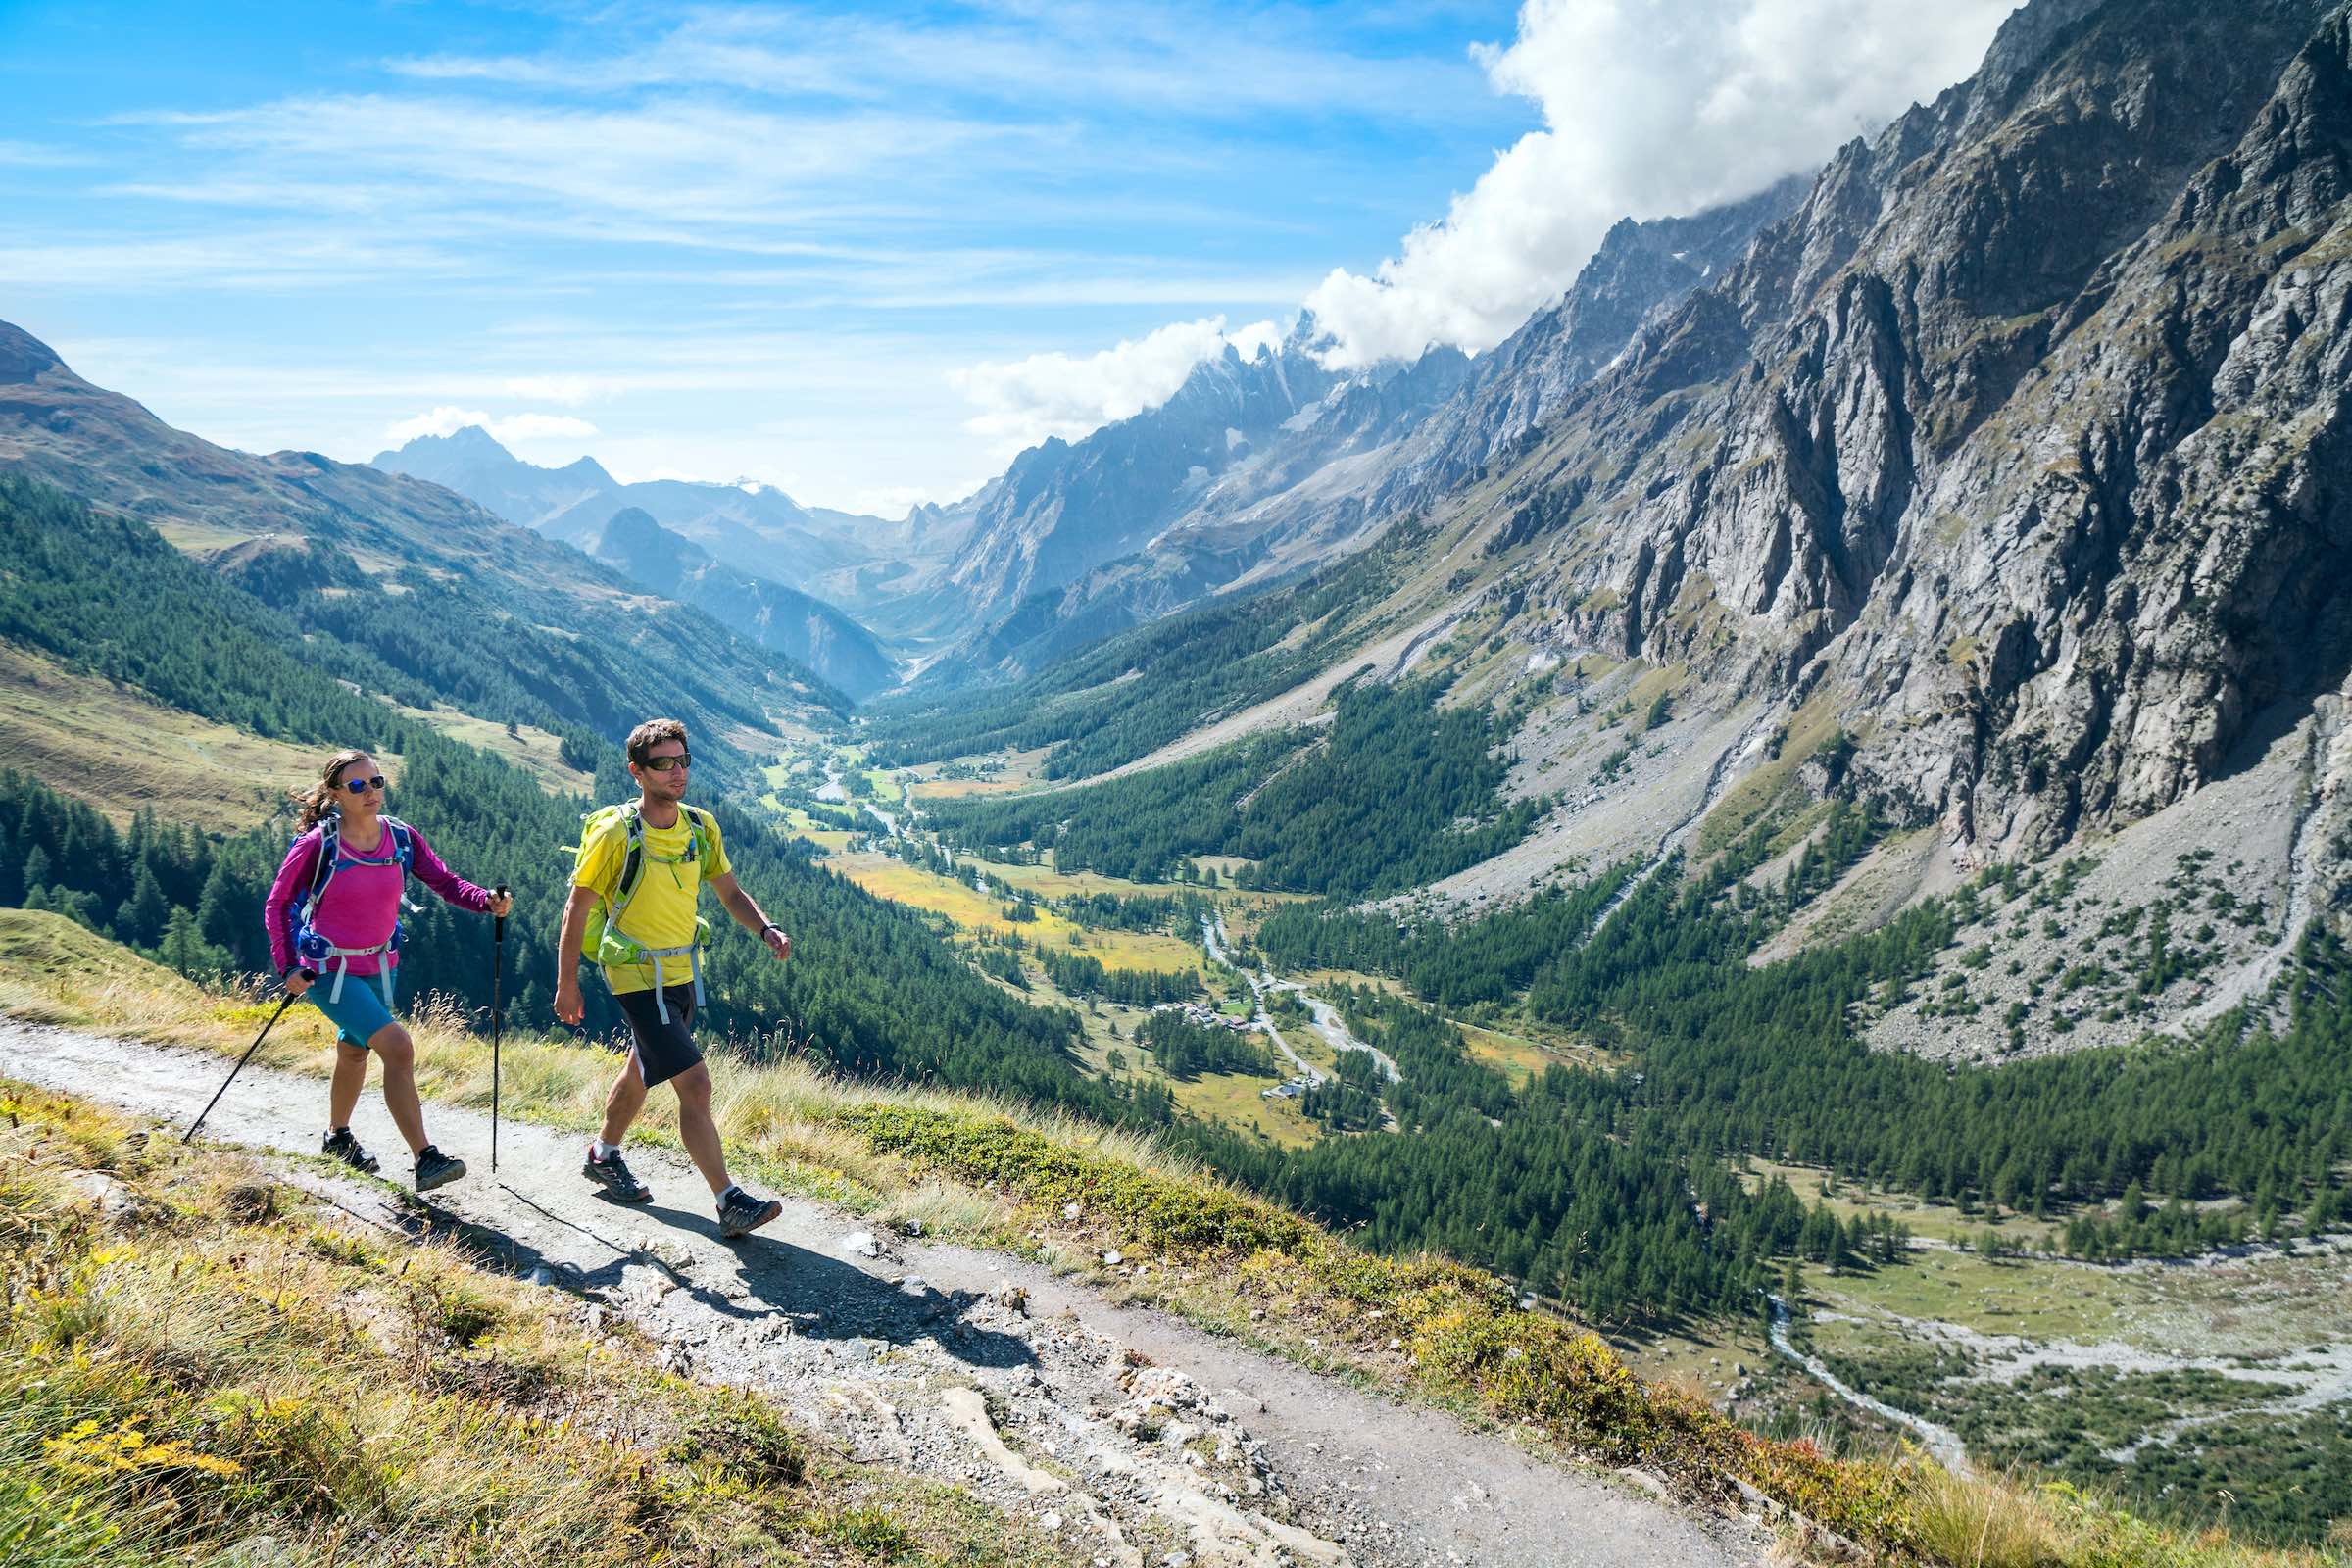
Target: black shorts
point(662, 1050)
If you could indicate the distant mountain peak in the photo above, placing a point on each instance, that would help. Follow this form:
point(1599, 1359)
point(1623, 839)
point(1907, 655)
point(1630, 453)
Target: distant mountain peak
point(24, 356)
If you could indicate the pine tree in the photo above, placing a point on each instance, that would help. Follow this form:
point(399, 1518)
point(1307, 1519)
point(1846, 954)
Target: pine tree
point(185, 949)
point(223, 911)
point(139, 923)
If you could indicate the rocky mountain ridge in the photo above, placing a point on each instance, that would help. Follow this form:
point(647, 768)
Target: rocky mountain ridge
point(844, 558)
point(1336, 468)
point(407, 569)
point(806, 628)
point(2015, 437)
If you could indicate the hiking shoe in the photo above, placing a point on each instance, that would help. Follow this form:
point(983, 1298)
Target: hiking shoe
point(340, 1144)
point(436, 1170)
point(615, 1177)
point(742, 1214)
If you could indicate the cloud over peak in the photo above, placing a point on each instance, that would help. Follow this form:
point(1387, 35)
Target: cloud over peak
point(1650, 108)
point(1026, 400)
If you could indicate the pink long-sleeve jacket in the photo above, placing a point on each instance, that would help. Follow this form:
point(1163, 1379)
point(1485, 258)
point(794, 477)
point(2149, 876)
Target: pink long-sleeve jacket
point(363, 903)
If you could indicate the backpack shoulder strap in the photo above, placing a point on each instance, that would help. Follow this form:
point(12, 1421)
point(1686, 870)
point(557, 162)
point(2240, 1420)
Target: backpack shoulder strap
point(705, 836)
point(632, 861)
point(323, 870)
point(404, 843)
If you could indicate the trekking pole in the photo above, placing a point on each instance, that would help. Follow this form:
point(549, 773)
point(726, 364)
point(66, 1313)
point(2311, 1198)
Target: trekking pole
point(498, 970)
point(241, 1062)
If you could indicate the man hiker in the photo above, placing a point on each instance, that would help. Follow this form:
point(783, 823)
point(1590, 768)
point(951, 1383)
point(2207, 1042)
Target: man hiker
point(642, 866)
point(333, 914)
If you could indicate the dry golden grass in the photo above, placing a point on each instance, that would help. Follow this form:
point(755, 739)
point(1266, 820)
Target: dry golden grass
point(535, 751)
point(215, 1357)
point(122, 751)
point(975, 912)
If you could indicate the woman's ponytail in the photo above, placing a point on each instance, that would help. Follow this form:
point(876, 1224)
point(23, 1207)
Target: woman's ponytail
point(316, 804)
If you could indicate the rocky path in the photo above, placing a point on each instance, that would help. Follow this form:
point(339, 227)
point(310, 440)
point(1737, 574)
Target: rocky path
point(1139, 1439)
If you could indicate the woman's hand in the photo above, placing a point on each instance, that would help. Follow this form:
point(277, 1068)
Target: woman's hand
point(502, 904)
point(298, 981)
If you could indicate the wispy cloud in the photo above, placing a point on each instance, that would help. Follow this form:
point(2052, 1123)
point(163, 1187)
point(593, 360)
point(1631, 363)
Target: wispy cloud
point(254, 257)
point(1194, 62)
point(688, 163)
point(774, 233)
point(36, 155)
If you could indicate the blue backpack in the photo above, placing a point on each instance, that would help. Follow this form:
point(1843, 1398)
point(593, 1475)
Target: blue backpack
point(310, 946)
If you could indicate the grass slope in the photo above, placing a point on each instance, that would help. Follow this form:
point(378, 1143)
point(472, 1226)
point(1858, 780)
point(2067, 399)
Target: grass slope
point(195, 1354)
point(1003, 1176)
point(123, 752)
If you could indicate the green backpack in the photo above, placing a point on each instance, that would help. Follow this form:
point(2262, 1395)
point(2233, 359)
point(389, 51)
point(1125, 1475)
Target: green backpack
point(603, 943)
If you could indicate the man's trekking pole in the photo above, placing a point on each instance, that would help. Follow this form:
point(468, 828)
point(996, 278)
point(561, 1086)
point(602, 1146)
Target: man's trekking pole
point(498, 970)
point(190, 1134)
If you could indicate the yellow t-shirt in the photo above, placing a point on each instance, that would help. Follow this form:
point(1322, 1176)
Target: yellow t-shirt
point(662, 914)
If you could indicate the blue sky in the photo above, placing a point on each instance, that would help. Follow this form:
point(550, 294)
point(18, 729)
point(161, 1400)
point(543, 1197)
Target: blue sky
point(864, 254)
point(738, 240)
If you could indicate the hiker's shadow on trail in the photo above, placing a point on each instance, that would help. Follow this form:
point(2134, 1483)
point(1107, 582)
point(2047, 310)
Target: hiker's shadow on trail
point(819, 1298)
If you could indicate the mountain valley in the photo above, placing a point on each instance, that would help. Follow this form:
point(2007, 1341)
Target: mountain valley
point(1795, 813)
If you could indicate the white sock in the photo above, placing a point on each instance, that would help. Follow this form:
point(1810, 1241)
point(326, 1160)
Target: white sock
point(602, 1150)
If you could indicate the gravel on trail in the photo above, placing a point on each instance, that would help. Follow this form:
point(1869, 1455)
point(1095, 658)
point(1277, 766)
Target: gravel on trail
point(1145, 1440)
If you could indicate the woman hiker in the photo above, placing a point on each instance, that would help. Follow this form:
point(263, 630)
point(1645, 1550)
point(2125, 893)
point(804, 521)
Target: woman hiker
point(334, 916)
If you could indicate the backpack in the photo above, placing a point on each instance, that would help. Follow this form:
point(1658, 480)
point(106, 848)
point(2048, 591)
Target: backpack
point(312, 945)
point(603, 943)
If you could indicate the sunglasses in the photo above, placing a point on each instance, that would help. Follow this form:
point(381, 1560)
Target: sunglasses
point(360, 786)
point(666, 765)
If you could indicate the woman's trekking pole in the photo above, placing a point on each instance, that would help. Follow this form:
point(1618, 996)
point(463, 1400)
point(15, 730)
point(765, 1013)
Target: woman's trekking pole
point(190, 1134)
point(498, 970)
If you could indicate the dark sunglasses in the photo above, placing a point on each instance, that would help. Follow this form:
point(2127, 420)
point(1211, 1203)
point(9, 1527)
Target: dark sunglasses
point(360, 786)
point(664, 764)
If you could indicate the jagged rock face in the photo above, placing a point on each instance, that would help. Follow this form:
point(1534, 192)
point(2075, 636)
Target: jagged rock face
point(2023, 437)
point(1638, 269)
point(1062, 510)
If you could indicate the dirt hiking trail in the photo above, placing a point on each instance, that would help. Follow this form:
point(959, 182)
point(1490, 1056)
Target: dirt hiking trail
point(1150, 1442)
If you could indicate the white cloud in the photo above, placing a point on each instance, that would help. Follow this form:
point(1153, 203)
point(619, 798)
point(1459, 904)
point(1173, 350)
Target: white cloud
point(36, 155)
point(1650, 108)
point(1068, 395)
point(514, 429)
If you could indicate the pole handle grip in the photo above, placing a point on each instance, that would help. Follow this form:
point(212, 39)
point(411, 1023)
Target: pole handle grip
point(498, 923)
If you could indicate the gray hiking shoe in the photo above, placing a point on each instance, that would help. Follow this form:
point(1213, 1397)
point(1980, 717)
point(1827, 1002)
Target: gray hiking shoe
point(742, 1214)
point(620, 1183)
point(436, 1170)
point(340, 1144)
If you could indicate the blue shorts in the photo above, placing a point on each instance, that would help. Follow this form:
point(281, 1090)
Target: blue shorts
point(361, 1012)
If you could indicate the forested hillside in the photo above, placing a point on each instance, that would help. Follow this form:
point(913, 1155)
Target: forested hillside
point(1128, 695)
point(1733, 1059)
point(1399, 792)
